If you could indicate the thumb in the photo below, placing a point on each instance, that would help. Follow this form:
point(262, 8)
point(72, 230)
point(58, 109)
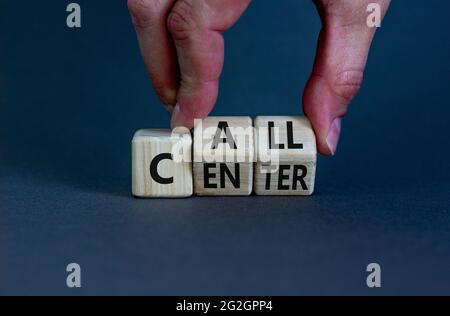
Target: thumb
point(343, 47)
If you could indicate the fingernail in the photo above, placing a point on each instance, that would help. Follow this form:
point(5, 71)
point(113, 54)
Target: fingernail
point(169, 108)
point(333, 135)
point(176, 116)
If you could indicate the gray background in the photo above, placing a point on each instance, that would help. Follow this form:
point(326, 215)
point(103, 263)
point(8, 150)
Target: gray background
point(70, 100)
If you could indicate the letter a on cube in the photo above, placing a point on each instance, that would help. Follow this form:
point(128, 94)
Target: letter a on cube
point(161, 163)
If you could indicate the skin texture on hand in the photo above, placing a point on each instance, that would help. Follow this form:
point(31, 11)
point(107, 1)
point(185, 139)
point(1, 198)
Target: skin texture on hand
point(183, 49)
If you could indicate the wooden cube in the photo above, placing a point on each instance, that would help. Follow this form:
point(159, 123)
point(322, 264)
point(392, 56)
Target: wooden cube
point(286, 156)
point(223, 156)
point(161, 163)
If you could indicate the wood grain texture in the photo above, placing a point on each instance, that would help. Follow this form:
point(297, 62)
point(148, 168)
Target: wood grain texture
point(152, 149)
point(286, 156)
point(223, 168)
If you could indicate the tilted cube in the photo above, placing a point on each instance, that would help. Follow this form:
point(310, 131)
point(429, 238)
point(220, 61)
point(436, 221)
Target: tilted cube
point(286, 156)
point(223, 156)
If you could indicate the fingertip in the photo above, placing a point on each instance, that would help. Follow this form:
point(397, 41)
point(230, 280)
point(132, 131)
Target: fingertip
point(195, 101)
point(177, 118)
point(326, 146)
point(168, 96)
point(180, 118)
point(327, 140)
point(333, 135)
point(325, 113)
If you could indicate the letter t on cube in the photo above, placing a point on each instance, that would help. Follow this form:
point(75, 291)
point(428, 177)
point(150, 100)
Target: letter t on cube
point(286, 155)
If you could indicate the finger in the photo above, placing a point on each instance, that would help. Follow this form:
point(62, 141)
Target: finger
point(343, 47)
point(196, 27)
point(149, 18)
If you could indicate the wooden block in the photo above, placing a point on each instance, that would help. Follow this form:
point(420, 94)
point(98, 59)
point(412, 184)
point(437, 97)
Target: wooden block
point(286, 156)
point(161, 163)
point(223, 156)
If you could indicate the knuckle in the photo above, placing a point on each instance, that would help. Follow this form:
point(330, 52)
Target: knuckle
point(181, 20)
point(142, 12)
point(348, 84)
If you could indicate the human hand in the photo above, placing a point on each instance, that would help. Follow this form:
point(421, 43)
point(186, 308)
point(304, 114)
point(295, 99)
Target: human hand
point(183, 49)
